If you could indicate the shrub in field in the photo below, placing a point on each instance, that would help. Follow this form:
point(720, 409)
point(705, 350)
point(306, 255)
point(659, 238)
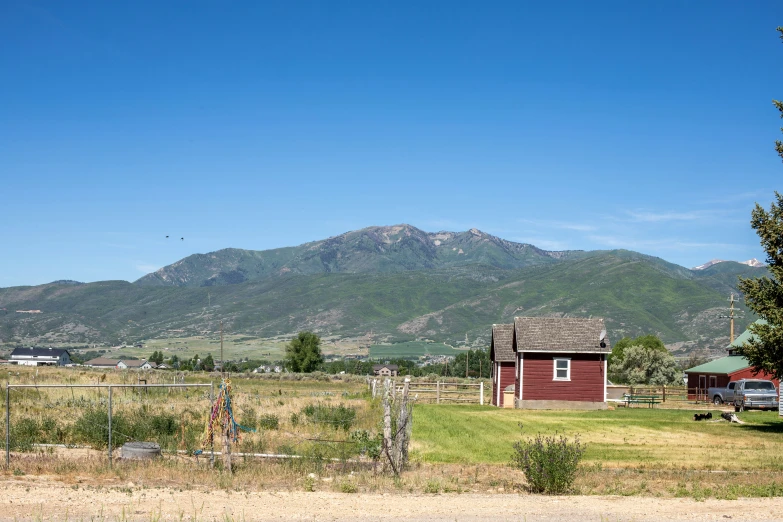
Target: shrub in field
point(30, 430)
point(268, 421)
point(24, 433)
point(367, 444)
point(339, 417)
point(92, 428)
point(549, 463)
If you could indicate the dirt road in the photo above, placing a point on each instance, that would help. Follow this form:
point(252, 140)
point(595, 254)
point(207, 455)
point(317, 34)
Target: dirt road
point(42, 499)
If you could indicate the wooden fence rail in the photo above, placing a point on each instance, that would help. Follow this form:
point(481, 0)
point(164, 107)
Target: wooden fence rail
point(669, 393)
point(439, 392)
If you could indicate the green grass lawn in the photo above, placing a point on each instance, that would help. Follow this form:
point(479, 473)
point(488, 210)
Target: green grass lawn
point(411, 349)
point(622, 438)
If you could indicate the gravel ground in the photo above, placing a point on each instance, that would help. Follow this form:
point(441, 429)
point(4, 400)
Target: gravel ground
point(41, 498)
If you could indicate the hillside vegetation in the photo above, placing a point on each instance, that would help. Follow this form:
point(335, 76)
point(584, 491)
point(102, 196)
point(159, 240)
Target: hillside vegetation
point(384, 285)
point(370, 250)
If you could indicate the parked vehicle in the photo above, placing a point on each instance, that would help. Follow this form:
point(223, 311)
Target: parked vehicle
point(721, 395)
point(755, 393)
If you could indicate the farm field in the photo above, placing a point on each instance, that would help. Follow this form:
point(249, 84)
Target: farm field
point(235, 347)
point(411, 349)
point(455, 448)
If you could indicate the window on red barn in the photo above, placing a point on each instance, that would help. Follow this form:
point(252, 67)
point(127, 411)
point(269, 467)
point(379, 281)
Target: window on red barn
point(562, 369)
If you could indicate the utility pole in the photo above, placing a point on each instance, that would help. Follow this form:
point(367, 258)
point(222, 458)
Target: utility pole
point(730, 317)
point(467, 363)
point(222, 364)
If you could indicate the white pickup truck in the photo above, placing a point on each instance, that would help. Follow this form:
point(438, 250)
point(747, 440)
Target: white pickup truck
point(720, 395)
point(756, 394)
point(745, 394)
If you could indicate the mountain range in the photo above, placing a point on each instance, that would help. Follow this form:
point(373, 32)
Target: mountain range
point(750, 262)
point(394, 283)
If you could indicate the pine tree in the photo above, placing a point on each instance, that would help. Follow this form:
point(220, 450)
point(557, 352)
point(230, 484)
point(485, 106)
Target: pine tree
point(764, 295)
point(303, 353)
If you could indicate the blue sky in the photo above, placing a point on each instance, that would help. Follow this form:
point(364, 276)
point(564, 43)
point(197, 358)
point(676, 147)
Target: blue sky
point(571, 125)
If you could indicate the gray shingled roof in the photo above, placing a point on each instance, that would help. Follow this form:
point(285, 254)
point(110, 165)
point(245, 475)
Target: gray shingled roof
point(502, 349)
point(102, 361)
point(559, 334)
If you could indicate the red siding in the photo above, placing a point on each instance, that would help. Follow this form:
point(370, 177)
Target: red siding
point(722, 380)
point(507, 372)
point(586, 384)
point(747, 373)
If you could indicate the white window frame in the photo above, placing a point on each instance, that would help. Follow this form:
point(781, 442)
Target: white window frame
point(554, 369)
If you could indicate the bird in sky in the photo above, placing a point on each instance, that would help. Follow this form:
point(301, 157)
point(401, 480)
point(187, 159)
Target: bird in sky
point(182, 239)
point(167, 237)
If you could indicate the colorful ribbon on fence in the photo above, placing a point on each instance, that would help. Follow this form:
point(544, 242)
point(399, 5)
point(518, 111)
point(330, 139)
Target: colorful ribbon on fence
point(221, 418)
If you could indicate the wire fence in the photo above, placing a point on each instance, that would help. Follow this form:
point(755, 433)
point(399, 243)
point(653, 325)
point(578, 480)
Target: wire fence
point(99, 418)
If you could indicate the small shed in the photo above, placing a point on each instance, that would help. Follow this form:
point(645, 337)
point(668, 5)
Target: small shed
point(561, 362)
point(501, 353)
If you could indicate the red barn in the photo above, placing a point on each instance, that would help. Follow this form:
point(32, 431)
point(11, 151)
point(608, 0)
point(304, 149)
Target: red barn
point(501, 353)
point(560, 363)
point(720, 372)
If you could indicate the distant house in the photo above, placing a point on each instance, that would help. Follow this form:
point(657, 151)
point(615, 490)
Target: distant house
point(103, 362)
point(501, 353)
point(142, 364)
point(558, 362)
point(385, 370)
point(40, 357)
point(720, 372)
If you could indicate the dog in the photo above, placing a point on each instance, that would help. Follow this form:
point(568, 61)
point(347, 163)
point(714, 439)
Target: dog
point(702, 416)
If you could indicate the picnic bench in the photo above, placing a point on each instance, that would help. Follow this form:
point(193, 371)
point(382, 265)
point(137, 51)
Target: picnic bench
point(649, 400)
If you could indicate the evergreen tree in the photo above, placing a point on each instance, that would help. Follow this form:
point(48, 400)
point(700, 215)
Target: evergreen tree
point(303, 353)
point(764, 295)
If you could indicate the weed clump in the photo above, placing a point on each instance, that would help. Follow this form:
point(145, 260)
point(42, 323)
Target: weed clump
point(549, 463)
point(338, 417)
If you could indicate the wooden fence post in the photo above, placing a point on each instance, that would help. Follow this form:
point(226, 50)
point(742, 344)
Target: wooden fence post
point(387, 424)
point(437, 392)
point(481, 394)
point(664, 393)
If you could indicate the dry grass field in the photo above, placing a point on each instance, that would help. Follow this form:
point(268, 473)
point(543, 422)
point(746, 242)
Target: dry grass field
point(455, 448)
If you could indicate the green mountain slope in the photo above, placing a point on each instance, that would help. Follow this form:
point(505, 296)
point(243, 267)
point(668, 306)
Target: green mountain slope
point(370, 250)
point(723, 276)
point(635, 293)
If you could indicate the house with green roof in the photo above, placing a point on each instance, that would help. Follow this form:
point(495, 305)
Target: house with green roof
point(720, 372)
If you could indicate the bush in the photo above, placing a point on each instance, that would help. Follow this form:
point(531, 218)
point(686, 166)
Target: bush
point(367, 444)
point(28, 431)
point(549, 463)
point(92, 428)
point(339, 417)
point(269, 422)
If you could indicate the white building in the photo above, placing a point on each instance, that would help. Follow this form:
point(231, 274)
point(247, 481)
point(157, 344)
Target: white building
point(40, 357)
